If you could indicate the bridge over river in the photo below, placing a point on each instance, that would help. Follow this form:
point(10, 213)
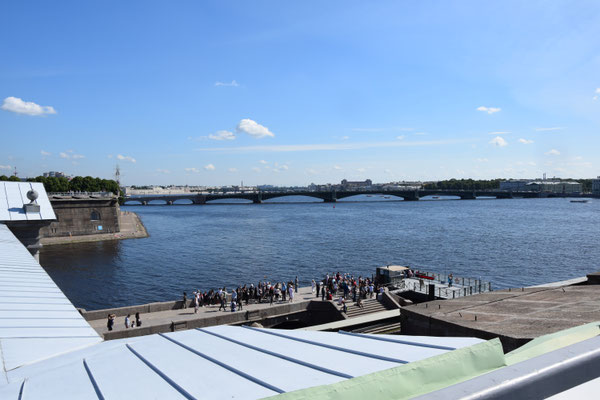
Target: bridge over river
point(333, 196)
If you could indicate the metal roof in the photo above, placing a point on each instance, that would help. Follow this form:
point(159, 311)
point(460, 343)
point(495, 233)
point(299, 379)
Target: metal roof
point(37, 321)
point(13, 196)
point(218, 362)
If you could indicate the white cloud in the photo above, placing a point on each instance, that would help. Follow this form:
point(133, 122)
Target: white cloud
point(232, 170)
point(126, 158)
point(255, 169)
point(345, 137)
point(401, 137)
point(337, 167)
point(525, 141)
point(222, 135)
point(195, 170)
point(482, 160)
point(77, 156)
point(499, 141)
point(230, 84)
point(64, 155)
point(5, 167)
point(361, 170)
point(45, 153)
point(597, 93)
point(163, 171)
point(16, 105)
point(387, 171)
point(209, 167)
point(330, 146)
point(499, 133)
point(253, 129)
point(533, 164)
point(554, 128)
point(489, 110)
point(263, 162)
point(553, 152)
point(420, 133)
point(284, 167)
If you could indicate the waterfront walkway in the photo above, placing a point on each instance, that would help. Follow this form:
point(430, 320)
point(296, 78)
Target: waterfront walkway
point(160, 318)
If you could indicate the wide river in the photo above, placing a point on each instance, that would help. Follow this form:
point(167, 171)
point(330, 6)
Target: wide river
point(511, 243)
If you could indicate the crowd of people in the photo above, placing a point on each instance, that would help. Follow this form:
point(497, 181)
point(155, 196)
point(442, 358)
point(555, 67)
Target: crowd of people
point(340, 287)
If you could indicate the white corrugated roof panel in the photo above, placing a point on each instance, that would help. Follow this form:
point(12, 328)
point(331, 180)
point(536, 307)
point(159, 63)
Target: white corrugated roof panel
point(13, 195)
point(37, 321)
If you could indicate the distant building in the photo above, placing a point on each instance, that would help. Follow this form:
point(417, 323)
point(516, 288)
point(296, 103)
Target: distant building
point(596, 185)
point(353, 185)
point(516, 185)
point(554, 187)
point(54, 174)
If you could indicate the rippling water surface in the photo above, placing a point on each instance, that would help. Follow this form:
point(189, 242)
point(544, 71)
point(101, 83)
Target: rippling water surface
point(508, 242)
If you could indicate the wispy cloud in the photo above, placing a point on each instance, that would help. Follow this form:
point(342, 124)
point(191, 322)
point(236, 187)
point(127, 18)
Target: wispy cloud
point(499, 141)
point(209, 167)
point(263, 162)
point(222, 135)
point(192, 169)
point(69, 154)
point(228, 84)
point(163, 171)
point(17, 105)
point(232, 170)
point(597, 93)
point(499, 133)
point(253, 129)
point(401, 137)
point(482, 160)
point(553, 152)
point(525, 141)
point(45, 153)
point(337, 167)
point(126, 158)
point(489, 110)
point(255, 169)
point(554, 128)
point(328, 146)
point(5, 167)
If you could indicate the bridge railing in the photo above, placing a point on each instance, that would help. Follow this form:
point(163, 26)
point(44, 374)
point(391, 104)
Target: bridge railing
point(461, 287)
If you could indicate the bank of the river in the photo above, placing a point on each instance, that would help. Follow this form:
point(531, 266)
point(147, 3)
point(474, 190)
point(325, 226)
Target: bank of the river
point(131, 228)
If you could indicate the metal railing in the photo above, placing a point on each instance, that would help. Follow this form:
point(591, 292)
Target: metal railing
point(461, 287)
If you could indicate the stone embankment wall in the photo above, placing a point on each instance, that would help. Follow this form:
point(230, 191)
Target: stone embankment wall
point(83, 216)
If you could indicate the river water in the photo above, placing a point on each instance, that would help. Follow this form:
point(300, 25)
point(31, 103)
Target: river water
point(511, 243)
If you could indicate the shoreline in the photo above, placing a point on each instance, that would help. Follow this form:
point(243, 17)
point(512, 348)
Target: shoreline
point(132, 227)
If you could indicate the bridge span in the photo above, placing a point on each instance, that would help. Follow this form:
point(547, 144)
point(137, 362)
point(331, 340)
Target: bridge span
point(333, 196)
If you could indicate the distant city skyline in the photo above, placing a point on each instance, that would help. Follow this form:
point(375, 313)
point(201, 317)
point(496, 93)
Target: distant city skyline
point(215, 93)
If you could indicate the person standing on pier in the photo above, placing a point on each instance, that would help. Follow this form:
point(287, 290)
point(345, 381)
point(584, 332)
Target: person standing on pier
point(138, 321)
point(283, 291)
point(291, 292)
point(184, 300)
point(313, 284)
point(127, 321)
point(111, 322)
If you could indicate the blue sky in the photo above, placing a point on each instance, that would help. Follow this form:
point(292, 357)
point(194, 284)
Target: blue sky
point(271, 92)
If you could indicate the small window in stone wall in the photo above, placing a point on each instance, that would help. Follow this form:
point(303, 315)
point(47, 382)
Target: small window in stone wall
point(95, 216)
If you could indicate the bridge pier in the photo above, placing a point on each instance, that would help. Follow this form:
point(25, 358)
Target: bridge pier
point(144, 203)
point(169, 202)
point(504, 196)
point(199, 200)
point(257, 199)
point(330, 198)
point(412, 196)
point(468, 196)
